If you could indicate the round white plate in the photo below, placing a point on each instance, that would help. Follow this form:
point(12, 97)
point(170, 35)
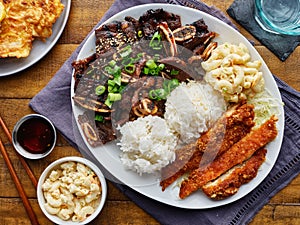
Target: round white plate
point(148, 185)
point(9, 66)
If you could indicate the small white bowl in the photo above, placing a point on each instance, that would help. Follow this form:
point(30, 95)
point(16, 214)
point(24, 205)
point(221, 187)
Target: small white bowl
point(30, 119)
point(46, 173)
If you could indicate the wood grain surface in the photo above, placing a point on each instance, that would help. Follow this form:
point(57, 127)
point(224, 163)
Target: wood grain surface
point(17, 90)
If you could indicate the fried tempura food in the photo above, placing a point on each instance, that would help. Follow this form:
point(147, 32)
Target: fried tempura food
point(230, 182)
point(229, 129)
point(24, 21)
point(237, 154)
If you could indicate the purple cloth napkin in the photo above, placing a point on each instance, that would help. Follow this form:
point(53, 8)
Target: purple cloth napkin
point(55, 103)
point(281, 45)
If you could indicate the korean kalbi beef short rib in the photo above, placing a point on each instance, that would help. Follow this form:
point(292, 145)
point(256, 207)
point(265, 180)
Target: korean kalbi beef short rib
point(114, 35)
point(190, 42)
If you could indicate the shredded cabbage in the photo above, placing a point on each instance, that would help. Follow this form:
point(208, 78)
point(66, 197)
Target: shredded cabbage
point(264, 106)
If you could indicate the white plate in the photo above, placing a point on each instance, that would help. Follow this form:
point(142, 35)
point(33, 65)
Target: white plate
point(148, 185)
point(9, 66)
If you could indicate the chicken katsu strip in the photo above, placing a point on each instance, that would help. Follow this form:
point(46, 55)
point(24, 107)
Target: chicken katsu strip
point(238, 153)
point(199, 159)
point(230, 182)
point(229, 129)
point(181, 165)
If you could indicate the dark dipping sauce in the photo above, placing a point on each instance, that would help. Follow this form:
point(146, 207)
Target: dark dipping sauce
point(36, 135)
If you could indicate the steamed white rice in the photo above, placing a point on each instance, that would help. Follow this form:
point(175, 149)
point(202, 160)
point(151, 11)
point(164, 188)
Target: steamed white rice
point(192, 108)
point(147, 144)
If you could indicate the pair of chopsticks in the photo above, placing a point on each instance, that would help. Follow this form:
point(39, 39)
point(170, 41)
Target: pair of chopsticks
point(15, 178)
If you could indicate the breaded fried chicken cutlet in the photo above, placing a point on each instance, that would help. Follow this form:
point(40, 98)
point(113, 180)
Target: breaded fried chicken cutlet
point(229, 129)
point(229, 183)
point(237, 154)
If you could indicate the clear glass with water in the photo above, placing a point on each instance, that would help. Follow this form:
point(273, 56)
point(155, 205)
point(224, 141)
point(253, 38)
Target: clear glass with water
point(278, 16)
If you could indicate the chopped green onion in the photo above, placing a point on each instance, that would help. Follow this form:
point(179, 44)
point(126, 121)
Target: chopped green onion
point(174, 72)
point(140, 55)
point(112, 63)
point(146, 70)
point(174, 83)
point(108, 103)
point(99, 118)
point(125, 52)
point(129, 68)
point(161, 66)
point(99, 90)
point(108, 69)
point(152, 94)
point(111, 82)
point(111, 98)
point(114, 84)
point(121, 88)
point(162, 93)
point(114, 97)
point(116, 71)
point(113, 89)
point(127, 61)
point(153, 72)
point(151, 64)
point(118, 80)
point(155, 42)
point(152, 68)
point(157, 94)
point(170, 85)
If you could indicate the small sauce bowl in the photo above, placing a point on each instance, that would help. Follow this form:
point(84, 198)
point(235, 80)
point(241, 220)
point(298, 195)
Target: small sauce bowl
point(34, 136)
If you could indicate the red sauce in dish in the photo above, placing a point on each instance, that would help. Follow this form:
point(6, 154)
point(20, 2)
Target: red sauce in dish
point(35, 135)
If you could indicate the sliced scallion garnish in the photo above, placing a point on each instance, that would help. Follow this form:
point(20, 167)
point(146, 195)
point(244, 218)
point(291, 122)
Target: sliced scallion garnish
point(162, 93)
point(155, 42)
point(129, 68)
point(174, 72)
point(99, 118)
point(151, 64)
point(99, 90)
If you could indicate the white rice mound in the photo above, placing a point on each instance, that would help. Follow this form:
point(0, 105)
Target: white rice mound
point(147, 145)
point(192, 108)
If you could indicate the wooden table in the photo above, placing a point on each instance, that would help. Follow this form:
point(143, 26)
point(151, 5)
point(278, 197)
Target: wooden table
point(17, 90)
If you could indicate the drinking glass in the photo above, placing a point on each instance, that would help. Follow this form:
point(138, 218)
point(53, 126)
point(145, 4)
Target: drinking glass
point(278, 16)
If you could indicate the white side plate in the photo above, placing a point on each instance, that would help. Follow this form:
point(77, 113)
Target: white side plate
point(9, 66)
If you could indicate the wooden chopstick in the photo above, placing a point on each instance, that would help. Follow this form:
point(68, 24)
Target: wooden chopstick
point(19, 186)
point(22, 160)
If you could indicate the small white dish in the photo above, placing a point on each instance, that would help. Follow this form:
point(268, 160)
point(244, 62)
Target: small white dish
point(40, 193)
